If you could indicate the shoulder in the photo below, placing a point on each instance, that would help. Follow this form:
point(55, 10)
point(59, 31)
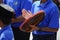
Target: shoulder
point(55, 8)
point(53, 5)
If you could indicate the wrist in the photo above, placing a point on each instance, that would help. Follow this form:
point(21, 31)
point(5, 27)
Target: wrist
point(39, 29)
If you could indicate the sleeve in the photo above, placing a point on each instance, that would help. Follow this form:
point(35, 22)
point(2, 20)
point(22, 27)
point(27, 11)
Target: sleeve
point(2, 37)
point(54, 18)
point(5, 38)
point(8, 35)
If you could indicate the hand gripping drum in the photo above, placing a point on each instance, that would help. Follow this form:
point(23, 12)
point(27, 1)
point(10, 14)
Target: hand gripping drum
point(34, 20)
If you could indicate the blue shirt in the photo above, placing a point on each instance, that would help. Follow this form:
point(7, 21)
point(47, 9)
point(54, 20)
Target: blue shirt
point(18, 5)
point(51, 18)
point(6, 33)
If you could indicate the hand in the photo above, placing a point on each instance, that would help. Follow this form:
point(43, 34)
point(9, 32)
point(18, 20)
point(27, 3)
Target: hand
point(33, 27)
point(26, 14)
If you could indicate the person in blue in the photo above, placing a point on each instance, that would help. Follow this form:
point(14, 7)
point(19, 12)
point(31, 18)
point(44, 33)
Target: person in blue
point(7, 16)
point(47, 28)
point(5, 23)
point(18, 5)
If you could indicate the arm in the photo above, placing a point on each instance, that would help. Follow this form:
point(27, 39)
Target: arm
point(47, 29)
point(18, 19)
point(25, 15)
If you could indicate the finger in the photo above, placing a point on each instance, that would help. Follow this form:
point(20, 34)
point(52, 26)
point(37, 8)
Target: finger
point(29, 12)
point(23, 12)
point(26, 12)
